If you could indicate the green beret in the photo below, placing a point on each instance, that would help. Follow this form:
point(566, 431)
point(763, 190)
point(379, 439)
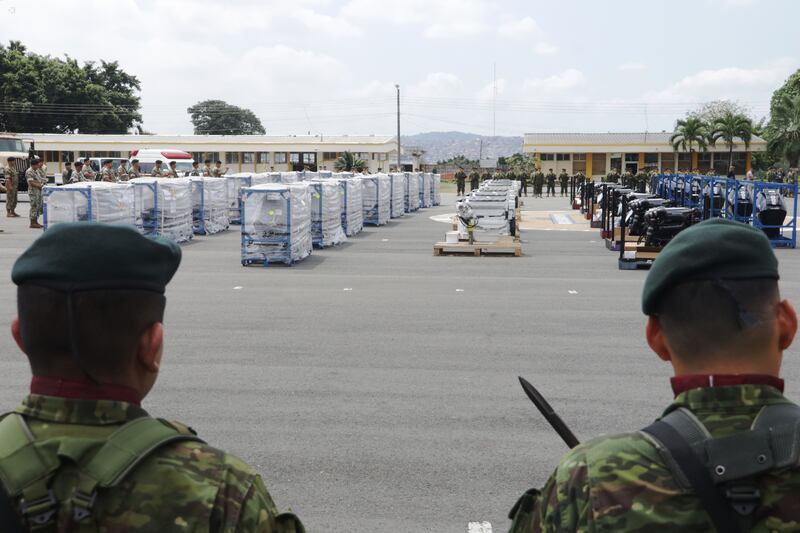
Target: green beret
point(89, 255)
point(714, 249)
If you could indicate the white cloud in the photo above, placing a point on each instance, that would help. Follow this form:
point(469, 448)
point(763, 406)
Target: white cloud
point(545, 49)
point(437, 84)
point(723, 83)
point(633, 66)
point(439, 19)
point(566, 80)
point(524, 28)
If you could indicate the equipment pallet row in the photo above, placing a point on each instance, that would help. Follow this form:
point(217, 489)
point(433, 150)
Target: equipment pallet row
point(503, 246)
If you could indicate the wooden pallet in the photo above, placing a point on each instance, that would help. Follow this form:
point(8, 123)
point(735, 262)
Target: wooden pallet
point(504, 246)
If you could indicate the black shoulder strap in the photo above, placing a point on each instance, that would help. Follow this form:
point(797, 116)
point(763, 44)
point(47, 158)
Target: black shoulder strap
point(8, 513)
point(722, 515)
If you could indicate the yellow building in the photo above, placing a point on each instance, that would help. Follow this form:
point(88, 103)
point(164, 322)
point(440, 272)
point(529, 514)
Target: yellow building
point(596, 154)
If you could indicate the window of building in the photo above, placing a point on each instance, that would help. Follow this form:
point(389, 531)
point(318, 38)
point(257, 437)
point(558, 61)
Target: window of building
point(263, 157)
point(579, 166)
point(67, 156)
point(363, 155)
point(631, 158)
point(704, 161)
point(684, 161)
point(382, 157)
point(651, 159)
point(294, 157)
point(309, 158)
point(50, 156)
point(562, 157)
point(721, 161)
point(329, 156)
point(547, 157)
point(579, 157)
point(667, 162)
point(280, 157)
point(248, 157)
point(231, 158)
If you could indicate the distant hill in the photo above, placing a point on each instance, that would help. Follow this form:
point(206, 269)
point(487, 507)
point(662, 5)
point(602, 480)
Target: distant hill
point(442, 145)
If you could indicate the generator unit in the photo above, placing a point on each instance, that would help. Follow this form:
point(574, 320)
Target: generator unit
point(276, 224)
point(163, 207)
point(88, 201)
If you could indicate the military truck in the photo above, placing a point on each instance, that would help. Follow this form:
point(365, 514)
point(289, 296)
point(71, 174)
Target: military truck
point(11, 145)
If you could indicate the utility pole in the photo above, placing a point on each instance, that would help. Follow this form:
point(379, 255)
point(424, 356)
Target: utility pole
point(494, 100)
point(399, 168)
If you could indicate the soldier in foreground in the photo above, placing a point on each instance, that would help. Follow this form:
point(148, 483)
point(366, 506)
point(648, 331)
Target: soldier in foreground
point(538, 183)
point(157, 171)
point(461, 182)
point(36, 179)
point(122, 171)
point(100, 290)
point(724, 455)
point(12, 186)
point(107, 172)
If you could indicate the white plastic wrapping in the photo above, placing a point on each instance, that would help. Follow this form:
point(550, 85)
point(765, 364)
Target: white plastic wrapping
point(412, 192)
point(290, 177)
point(436, 181)
point(352, 206)
point(398, 194)
point(209, 205)
point(89, 201)
point(276, 223)
point(235, 184)
point(326, 213)
point(424, 190)
point(163, 206)
point(376, 195)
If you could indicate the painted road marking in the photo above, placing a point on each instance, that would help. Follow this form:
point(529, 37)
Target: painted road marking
point(459, 290)
point(561, 218)
point(443, 218)
point(479, 527)
point(347, 289)
point(573, 292)
point(237, 288)
point(384, 240)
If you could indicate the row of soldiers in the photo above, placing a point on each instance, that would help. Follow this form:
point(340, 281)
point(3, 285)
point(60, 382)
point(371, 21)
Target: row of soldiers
point(537, 180)
point(84, 172)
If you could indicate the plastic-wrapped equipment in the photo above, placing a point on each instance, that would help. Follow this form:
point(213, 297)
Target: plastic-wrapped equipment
point(164, 207)
point(412, 192)
point(89, 201)
point(326, 213)
point(436, 191)
point(398, 195)
point(424, 190)
point(290, 177)
point(209, 205)
point(376, 195)
point(276, 225)
point(352, 206)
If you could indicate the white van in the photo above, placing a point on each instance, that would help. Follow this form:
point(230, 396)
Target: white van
point(148, 157)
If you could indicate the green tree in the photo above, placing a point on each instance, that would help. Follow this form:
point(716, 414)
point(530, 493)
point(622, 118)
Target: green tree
point(711, 111)
point(521, 163)
point(784, 138)
point(730, 128)
point(348, 162)
point(790, 87)
point(689, 132)
point(52, 95)
point(215, 117)
point(460, 161)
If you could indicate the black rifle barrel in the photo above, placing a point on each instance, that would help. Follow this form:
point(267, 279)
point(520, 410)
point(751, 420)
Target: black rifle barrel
point(550, 415)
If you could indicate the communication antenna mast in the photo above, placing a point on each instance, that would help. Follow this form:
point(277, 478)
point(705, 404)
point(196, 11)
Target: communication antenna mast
point(494, 100)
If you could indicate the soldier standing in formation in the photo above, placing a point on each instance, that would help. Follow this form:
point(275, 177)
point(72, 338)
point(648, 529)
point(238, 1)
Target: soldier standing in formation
point(195, 169)
point(134, 171)
point(563, 181)
point(157, 171)
point(627, 178)
point(207, 170)
point(524, 178)
point(88, 173)
point(66, 174)
point(172, 172)
point(640, 180)
point(122, 172)
point(715, 314)
point(538, 183)
point(36, 179)
point(107, 172)
point(77, 173)
point(218, 172)
point(461, 182)
point(613, 176)
point(551, 182)
point(474, 179)
point(101, 462)
point(12, 187)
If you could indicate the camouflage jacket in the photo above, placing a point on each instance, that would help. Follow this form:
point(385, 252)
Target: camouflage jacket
point(551, 178)
point(184, 486)
point(122, 173)
point(31, 176)
point(461, 176)
point(106, 174)
point(620, 483)
point(10, 175)
point(133, 173)
point(207, 171)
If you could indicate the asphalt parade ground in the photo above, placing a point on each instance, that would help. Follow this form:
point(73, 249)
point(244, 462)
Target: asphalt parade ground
point(374, 386)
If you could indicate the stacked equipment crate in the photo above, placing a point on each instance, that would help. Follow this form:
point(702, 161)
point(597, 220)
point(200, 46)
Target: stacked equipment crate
point(276, 224)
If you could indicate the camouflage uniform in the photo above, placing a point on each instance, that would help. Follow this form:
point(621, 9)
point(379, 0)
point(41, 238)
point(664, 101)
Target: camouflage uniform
point(485, 176)
point(65, 176)
point(195, 172)
point(621, 483)
point(106, 174)
point(122, 174)
point(641, 181)
point(34, 194)
point(158, 172)
point(218, 172)
point(474, 180)
point(12, 185)
point(172, 173)
point(524, 179)
point(613, 176)
point(184, 486)
point(538, 183)
point(88, 173)
point(208, 171)
point(551, 183)
point(76, 176)
point(133, 173)
point(461, 182)
point(563, 181)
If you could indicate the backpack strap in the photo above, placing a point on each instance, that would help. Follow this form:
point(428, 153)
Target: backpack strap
point(122, 452)
point(25, 472)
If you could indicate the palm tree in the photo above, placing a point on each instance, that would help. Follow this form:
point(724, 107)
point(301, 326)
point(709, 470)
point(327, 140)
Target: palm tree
point(347, 162)
point(785, 129)
point(730, 127)
point(688, 132)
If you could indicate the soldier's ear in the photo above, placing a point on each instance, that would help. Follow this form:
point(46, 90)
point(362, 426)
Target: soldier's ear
point(16, 333)
point(787, 324)
point(656, 339)
point(148, 352)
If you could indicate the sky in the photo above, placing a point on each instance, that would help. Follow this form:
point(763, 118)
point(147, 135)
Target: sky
point(502, 67)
